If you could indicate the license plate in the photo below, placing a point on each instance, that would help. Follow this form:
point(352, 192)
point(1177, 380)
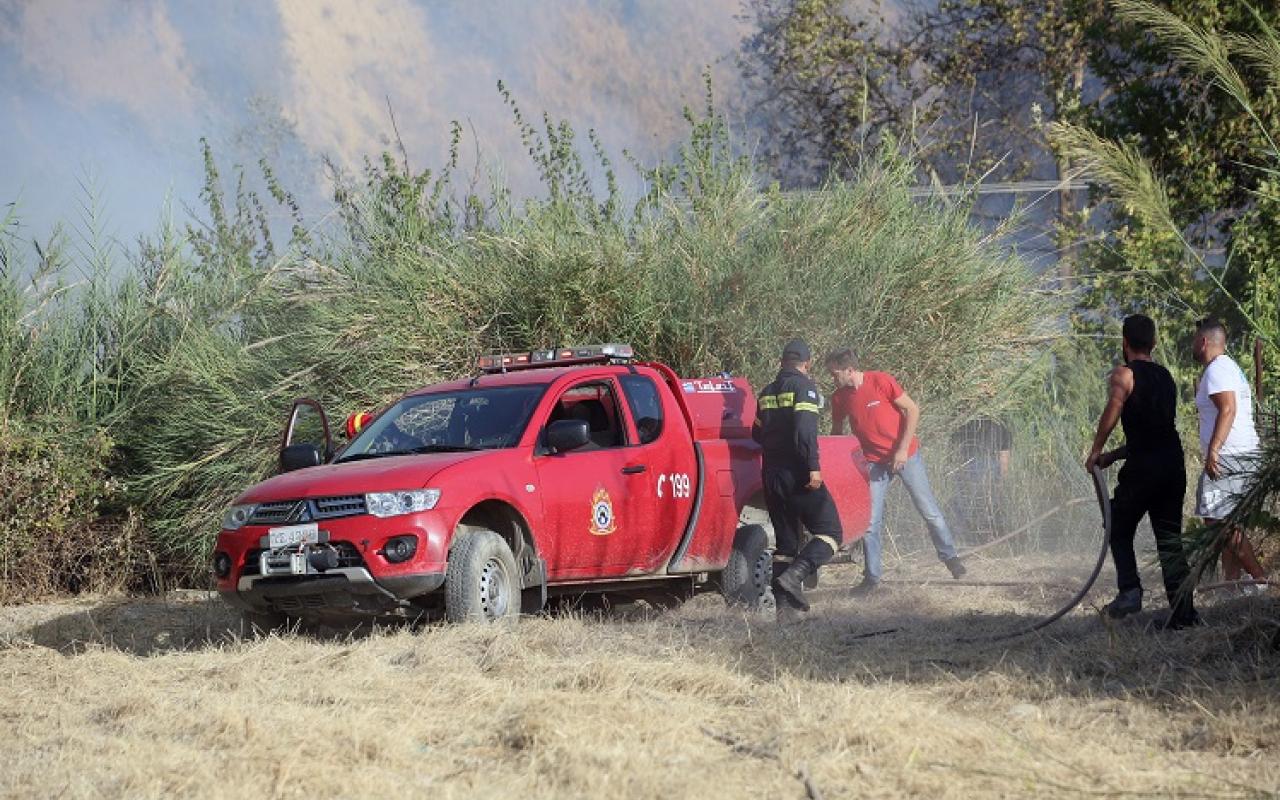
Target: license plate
point(289, 535)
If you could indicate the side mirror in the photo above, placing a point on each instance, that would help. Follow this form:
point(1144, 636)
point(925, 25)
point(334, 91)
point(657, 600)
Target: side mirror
point(307, 423)
point(300, 456)
point(567, 434)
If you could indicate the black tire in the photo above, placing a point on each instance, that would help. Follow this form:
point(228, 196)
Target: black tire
point(746, 578)
point(481, 582)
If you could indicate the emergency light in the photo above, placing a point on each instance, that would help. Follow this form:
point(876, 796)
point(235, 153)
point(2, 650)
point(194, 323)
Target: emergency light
point(558, 357)
point(356, 423)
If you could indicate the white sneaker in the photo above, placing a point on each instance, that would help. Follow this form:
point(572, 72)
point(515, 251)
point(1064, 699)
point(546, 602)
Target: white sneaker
point(1252, 588)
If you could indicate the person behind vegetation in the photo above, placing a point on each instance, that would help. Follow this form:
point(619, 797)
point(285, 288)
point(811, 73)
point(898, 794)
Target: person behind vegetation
point(884, 418)
point(1230, 446)
point(786, 427)
point(979, 506)
point(1141, 396)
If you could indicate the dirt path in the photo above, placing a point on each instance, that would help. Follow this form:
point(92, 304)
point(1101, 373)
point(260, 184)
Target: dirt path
point(151, 698)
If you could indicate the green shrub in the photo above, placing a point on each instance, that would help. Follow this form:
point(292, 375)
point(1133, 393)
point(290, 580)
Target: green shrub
point(56, 535)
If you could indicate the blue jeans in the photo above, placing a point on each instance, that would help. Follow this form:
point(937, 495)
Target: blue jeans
point(916, 479)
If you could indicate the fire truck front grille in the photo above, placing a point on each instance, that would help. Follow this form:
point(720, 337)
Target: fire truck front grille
point(286, 512)
point(333, 507)
point(273, 513)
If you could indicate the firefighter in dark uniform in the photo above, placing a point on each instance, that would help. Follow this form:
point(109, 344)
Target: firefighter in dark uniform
point(787, 429)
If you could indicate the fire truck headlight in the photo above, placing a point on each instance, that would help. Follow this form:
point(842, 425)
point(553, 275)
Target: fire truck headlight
point(236, 517)
point(408, 501)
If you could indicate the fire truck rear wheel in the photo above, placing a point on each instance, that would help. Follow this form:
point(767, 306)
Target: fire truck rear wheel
point(481, 582)
point(746, 578)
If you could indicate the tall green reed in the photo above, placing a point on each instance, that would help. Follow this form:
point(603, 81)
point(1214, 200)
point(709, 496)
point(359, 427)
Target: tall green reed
point(204, 335)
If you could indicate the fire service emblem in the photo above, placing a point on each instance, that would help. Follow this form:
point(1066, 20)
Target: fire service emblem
point(602, 521)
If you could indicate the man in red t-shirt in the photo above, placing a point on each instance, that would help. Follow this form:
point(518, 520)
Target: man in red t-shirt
point(884, 419)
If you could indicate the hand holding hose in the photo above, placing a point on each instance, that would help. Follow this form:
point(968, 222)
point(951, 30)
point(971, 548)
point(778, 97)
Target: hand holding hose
point(1119, 454)
point(1104, 460)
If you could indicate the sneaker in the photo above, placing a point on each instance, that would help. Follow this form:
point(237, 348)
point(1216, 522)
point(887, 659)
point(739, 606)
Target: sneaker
point(1126, 603)
point(868, 586)
point(1252, 588)
point(1180, 621)
point(956, 566)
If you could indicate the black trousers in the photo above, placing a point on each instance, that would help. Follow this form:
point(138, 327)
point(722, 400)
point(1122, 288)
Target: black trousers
point(790, 505)
point(1154, 487)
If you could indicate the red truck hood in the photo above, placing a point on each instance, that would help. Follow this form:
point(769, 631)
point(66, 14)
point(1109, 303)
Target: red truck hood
point(356, 477)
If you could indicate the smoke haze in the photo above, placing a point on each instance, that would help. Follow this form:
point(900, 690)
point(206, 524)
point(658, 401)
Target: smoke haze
point(117, 95)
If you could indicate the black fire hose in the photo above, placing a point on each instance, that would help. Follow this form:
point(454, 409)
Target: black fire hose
point(1104, 505)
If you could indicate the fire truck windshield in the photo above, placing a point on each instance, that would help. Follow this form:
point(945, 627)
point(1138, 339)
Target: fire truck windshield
point(474, 419)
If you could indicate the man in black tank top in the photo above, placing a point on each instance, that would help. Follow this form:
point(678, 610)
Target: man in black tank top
point(1143, 399)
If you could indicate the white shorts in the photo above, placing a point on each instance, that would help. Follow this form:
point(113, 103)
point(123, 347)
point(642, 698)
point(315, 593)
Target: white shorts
point(1217, 497)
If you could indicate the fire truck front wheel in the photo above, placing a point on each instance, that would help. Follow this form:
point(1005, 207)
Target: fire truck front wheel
point(481, 582)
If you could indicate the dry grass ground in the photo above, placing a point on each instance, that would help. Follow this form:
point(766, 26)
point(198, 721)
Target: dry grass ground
point(164, 698)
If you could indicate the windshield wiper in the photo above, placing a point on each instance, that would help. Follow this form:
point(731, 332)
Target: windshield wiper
point(426, 448)
point(445, 448)
point(364, 456)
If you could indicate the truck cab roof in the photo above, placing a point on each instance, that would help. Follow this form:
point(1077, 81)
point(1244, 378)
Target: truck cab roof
point(529, 377)
point(715, 408)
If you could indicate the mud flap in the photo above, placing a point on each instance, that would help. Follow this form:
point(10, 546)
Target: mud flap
point(533, 589)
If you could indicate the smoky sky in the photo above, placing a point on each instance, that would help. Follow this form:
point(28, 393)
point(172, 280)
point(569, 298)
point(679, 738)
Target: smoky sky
point(108, 100)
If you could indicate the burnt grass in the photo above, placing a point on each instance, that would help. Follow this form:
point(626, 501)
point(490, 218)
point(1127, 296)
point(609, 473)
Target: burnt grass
point(897, 694)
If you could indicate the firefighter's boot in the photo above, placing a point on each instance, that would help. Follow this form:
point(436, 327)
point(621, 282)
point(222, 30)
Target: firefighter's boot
point(789, 586)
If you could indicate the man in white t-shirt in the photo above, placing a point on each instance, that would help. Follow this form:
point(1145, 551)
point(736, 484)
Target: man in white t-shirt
point(1229, 443)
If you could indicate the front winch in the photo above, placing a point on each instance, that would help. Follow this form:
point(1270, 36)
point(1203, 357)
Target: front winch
point(307, 559)
point(322, 559)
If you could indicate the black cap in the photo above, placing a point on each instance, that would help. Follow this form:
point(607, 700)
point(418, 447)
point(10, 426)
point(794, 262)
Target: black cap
point(797, 349)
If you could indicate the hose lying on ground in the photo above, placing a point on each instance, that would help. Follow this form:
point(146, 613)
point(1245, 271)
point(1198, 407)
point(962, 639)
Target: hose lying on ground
point(1024, 528)
point(1104, 504)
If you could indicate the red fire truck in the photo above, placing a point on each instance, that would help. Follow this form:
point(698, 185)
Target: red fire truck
point(576, 471)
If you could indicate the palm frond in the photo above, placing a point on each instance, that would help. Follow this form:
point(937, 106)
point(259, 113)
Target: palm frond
point(1129, 176)
point(1132, 181)
point(1204, 51)
point(1198, 49)
point(1261, 50)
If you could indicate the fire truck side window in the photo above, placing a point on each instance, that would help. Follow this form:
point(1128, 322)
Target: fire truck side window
point(595, 404)
point(646, 406)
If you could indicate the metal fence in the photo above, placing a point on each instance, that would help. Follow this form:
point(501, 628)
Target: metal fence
point(1267, 419)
